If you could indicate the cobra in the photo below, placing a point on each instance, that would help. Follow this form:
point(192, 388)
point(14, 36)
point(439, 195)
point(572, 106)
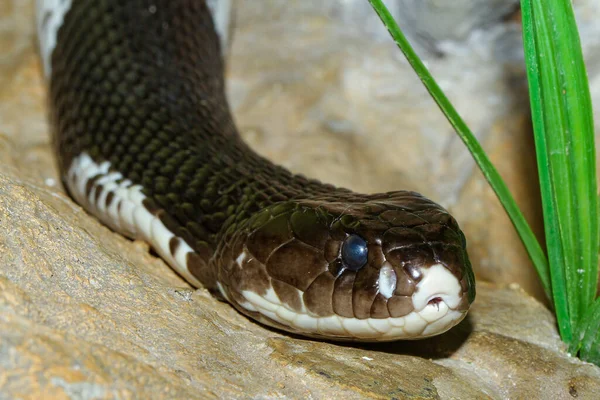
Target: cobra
point(146, 142)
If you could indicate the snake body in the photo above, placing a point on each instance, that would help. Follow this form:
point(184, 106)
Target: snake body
point(146, 142)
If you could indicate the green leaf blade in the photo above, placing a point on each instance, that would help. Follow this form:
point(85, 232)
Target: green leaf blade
point(588, 335)
point(563, 127)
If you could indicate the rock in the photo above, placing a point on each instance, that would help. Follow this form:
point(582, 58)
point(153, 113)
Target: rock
point(432, 21)
point(85, 313)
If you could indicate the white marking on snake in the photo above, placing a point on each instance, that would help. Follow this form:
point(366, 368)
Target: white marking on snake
point(427, 319)
point(222, 291)
point(50, 15)
point(125, 213)
point(387, 281)
point(221, 14)
point(437, 282)
point(241, 258)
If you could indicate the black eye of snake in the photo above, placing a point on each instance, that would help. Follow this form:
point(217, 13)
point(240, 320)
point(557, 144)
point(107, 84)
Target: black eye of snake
point(354, 252)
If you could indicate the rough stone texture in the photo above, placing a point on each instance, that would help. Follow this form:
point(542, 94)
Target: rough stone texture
point(87, 314)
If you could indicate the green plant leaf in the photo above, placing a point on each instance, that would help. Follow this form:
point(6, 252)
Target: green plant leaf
point(588, 335)
point(489, 171)
point(564, 138)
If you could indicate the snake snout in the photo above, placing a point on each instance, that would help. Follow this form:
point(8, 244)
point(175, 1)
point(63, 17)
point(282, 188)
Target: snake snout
point(437, 286)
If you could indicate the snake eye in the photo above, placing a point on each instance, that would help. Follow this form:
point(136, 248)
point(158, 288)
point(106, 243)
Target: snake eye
point(354, 252)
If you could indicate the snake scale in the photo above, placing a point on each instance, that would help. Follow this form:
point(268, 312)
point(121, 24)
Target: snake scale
point(146, 142)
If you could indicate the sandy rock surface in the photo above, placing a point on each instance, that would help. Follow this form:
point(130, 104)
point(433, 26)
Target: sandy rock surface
point(87, 314)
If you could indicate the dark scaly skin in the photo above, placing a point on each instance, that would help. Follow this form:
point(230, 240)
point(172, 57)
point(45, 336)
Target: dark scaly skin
point(140, 83)
point(304, 238)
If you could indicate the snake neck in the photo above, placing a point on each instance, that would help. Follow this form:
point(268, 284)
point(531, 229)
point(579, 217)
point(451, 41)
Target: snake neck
point(138, 88)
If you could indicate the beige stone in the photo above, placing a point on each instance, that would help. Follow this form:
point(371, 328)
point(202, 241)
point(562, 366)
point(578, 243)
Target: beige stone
point(85, 313)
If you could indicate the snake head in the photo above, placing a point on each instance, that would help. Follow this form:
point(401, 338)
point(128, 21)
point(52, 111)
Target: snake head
point(372, 268)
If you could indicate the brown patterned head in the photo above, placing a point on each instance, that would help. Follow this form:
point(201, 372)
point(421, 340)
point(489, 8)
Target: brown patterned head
point(380, 267)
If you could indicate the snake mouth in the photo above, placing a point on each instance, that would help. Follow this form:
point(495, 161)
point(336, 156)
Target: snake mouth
point(434, 319)
point(437, 305)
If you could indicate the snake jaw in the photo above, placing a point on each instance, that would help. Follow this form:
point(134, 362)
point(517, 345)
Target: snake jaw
point(437, 303)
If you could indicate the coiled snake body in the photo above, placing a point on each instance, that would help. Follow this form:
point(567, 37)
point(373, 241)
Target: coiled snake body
point(146, 142)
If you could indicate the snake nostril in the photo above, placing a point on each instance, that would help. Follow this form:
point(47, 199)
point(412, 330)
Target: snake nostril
point(435, 301)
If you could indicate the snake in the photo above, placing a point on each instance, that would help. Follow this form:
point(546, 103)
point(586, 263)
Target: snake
point(146, 142)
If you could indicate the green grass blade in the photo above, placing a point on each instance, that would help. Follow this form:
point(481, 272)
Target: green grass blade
point(551, 225)
point(588, 335)
point(489, 171)
point(564, 137)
